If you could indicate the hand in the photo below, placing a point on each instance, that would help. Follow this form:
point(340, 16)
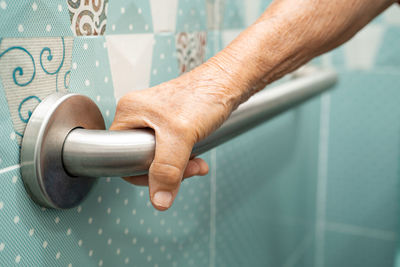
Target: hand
point(181, 112)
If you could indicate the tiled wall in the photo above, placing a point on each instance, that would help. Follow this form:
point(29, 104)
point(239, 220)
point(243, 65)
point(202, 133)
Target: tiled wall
point(358, 210)
point(316, 186)
point(345, 174)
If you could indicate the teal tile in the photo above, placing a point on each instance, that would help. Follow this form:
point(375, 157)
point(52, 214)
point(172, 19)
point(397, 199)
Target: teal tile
point(266, 188)
point(303, 255)
point(31, 18)
point(178, 236)
point(174, 54)
point(129, 16)
point(260, 242)
point(192, 16)
point(33, 236)
point(388, 55)
point(363, 179)
point(214, 43)
point(335, 58)
point(397, 258)
point(145, 236)
point(306, 260)
point(116, 224)
point(164, 61)
point(233, 15)
point(357, 251)
point(91, 75)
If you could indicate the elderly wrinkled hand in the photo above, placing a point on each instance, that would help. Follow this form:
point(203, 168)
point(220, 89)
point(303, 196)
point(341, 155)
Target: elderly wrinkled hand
point(181, 112)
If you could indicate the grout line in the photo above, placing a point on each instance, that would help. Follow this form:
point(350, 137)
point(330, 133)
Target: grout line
point(388, 70)
point(299, 251)
point(213, 207)
point(10, 168)
point(385, 70)
point(213, 182)
point(322, 180)
point(361, 231)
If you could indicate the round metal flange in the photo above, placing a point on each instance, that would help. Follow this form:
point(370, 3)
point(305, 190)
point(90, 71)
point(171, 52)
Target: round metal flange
point(42, 169)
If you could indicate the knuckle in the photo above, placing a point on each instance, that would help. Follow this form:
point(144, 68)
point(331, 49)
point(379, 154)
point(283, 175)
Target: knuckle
point(124, 101)
point(166, 173)
point(128, 98)
point(127, 105)
point(183, 126)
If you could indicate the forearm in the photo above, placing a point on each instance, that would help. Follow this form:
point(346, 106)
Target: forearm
point(286, 36)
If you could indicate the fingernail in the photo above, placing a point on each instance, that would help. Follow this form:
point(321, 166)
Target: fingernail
point(162, 199)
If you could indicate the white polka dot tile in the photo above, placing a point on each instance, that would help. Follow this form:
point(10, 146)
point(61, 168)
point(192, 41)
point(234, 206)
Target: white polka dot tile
point(163, 59)
point(33, 18)
point(90, 72)
point(129, 16)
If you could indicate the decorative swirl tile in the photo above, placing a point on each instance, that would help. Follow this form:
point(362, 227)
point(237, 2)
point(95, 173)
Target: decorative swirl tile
point(88, 17)
point(19, 70)
point(21, 104)
point(30, 70)
point(191, 50)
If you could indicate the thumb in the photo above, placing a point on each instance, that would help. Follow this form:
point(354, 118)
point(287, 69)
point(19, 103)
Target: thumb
point(166, 171)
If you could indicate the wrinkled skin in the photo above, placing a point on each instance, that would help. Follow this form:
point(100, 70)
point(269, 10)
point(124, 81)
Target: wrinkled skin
point(187, 109)
point(184, 112)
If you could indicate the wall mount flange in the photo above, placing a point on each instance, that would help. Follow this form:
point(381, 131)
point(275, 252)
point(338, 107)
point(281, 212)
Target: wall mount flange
point(42, 168)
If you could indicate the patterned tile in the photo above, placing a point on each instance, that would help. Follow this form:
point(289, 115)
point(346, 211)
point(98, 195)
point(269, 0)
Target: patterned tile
point(88, 17)
point(190, 50)
point(31, 69)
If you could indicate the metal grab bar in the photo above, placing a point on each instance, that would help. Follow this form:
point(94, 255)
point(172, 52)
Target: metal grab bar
point(65, 143)
point(97, 153)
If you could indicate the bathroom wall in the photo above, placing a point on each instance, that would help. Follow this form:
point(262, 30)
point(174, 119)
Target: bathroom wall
point(358, 210)
point(324, 186)
point(316, 186)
